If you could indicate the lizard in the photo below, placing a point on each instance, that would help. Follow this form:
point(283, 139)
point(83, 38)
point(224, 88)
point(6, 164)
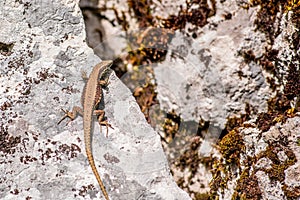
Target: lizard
point(90, 98)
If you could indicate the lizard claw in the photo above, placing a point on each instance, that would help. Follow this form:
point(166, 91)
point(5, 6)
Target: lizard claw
point(105, 123)
point(67, 114)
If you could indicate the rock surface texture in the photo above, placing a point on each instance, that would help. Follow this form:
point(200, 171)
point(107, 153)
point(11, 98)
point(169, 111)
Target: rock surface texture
point(219, 81)
point(42, 53)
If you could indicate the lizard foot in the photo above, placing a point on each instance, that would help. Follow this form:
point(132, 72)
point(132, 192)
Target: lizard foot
point(102, 121)
point(67, 114)
point(105, 123)
point(71, 114)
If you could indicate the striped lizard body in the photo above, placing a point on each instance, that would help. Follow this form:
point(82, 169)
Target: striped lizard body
point(90, 99)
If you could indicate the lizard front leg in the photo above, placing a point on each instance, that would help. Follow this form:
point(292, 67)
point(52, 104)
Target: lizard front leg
point(71, 114)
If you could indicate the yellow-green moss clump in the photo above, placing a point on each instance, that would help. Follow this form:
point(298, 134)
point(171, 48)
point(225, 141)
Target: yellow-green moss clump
point(231, 146)
point(247, 187)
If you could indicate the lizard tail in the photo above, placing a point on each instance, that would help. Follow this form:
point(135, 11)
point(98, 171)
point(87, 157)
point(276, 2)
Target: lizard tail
point(94, 169)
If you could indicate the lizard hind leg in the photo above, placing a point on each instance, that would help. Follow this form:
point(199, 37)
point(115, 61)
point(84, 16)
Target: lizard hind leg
point(105, 123)
point(101, 121)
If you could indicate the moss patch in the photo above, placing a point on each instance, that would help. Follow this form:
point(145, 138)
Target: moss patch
point(231, 146)
point(247, 187)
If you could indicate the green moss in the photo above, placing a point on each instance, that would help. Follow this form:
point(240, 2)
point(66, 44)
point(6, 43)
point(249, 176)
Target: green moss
point(279, 107)
point(171, 126)
point(233, 122)
point(276, 172)
point(195, 13)
point(142, 12)
point(219, 180)
point(294, 6)
point(231, 146)
point(291, 192)
point(202, 196)
point(298, 142)
point(268, 12)
point(247, 185)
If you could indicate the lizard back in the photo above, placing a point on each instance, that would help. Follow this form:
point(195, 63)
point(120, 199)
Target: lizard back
point(92, 91)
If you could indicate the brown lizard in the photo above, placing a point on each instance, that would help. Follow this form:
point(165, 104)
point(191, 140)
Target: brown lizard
point(90, 99)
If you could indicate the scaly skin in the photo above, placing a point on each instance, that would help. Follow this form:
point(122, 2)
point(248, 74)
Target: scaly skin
point(89, 102)
point(92, 95)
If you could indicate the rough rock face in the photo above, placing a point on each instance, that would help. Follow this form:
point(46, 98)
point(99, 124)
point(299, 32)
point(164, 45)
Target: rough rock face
point(268, 163)
point(42, 51)
point(223, 78)
point(226, 74)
